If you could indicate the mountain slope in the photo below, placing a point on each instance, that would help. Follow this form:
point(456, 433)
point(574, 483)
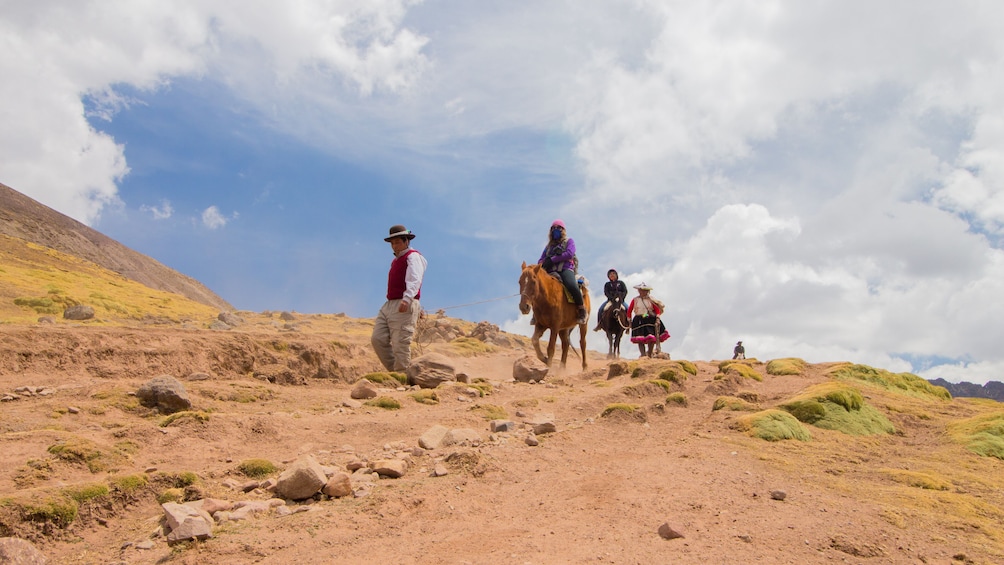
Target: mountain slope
point(24, 218)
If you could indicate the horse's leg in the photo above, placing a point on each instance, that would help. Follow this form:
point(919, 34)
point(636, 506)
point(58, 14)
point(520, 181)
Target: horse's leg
point(537, 332)
point(550, 346)
point(583, 328)
point(563, 334)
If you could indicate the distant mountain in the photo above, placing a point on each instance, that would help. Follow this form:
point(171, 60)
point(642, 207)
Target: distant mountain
point(24, 218)
point(993, 389)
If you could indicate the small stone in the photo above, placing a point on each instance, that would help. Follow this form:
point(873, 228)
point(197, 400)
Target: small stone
point(778, 494)
point(669, 531)
point(73, 410)
point(532, 440)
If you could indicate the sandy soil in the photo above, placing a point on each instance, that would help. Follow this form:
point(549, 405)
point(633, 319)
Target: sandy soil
point(595, 491)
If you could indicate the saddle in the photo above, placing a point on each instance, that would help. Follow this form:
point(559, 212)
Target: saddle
point(568, 295)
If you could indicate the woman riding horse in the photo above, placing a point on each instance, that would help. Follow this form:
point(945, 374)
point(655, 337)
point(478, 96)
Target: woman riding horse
point(559, 257)
point(614, 290)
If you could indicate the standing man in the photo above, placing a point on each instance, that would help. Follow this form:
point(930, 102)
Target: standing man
point(395, 324)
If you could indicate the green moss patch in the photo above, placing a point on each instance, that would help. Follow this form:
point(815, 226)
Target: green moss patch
point(185, 416)
point(130, 483)
point(840, 407)
point(619, 407)
point(82, 451)
point(743, 369)
point(469, 347)
point(983, 434)
point(906, 383)
point(772, 425)
point(786, 366)
point(677, 398)
point(83, 493)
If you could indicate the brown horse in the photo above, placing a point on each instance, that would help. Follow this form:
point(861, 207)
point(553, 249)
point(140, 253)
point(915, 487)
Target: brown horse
point(552, 311)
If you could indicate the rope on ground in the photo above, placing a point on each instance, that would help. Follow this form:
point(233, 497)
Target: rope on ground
point(476, 303)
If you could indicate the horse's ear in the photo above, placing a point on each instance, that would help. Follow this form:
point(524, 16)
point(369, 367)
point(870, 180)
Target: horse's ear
point(524, 264)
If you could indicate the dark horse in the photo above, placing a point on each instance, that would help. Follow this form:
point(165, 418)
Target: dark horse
point(545, 295)
point(614, 322)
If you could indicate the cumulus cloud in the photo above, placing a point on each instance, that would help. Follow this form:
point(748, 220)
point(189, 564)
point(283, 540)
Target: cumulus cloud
point(58, 53)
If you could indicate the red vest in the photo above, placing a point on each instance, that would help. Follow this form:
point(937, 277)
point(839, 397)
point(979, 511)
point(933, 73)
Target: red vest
point(395, 279)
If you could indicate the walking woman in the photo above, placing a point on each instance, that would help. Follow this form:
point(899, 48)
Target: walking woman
point(646, 325)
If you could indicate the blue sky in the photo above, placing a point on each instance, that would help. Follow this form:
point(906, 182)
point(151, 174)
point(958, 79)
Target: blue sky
point(821, 180)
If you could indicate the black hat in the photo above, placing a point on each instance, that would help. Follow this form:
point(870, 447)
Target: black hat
point(399, 231)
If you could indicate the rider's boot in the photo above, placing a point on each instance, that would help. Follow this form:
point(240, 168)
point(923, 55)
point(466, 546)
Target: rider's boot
point(583, 316)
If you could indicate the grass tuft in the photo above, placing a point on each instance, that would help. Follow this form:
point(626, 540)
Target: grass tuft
point(425, 396)
point(906, 383)
point(385, 377)
point(983, 434)
point(840, 407)
point(385, 402)
point(786, 366)
point(256, 468)
point(490, 411)
point(732, 403)
point(772, 425)
point(677, 398)
point(619, 407)
point(738, 368)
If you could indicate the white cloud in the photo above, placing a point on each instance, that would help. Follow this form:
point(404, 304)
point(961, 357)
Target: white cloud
point(213, 219)
point(162, 212)
point(57, 52)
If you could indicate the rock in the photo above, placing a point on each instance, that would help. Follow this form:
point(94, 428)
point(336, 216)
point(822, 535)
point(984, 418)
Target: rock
point(78, 312)
point(186, 523)
point(364, 390)
point(670, 531)
point(542, 424)
point(230, 319)
point(303, 479)
point(617, 368)
point(47, 320)
point(431, 370)
point(461, 436)
point(393, 468)
point(165, 393)
point(532, 440)
point(440, 470)
point(351, 403)
point(218, 325)
point(529, 369)
point(338, 485)
point(17, 551)
point(198, 377)
point(286, 316)
point(211, 505)
point(502, 426)
point(73, 410)
point(433, 437)
point(778, 494)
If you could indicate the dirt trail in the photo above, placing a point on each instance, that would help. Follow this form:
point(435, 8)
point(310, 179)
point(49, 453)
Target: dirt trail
point(596, 491)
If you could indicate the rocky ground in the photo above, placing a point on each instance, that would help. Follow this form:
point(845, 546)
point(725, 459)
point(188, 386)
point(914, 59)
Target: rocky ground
point(598, 489)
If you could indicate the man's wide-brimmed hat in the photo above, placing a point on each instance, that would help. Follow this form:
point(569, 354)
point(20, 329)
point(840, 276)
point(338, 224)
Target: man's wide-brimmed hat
point(642, 286)
point(399, 231)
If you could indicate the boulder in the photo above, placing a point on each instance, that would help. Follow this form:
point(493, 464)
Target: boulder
point(79, 312)
point(17, 551)
point(433, 437)
point(393, 468)
point(165, 393)
point(364, 390)
point(303, 479)
point(339, 484)
point(430, 370)
point(186, 523)
point(529, 369)
point(230, 319)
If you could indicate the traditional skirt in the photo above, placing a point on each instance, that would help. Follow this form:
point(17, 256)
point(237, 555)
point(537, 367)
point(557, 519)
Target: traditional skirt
point(644, 330)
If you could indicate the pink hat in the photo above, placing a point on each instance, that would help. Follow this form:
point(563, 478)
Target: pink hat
point(558, 223)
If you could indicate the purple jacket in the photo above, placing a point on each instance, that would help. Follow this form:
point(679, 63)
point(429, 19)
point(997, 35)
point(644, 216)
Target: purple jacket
point(562, 256)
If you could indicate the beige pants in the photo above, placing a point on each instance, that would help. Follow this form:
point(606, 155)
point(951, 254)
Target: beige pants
point(392, 334)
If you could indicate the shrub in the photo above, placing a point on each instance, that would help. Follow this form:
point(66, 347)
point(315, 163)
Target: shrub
point(688, 367)
point(385, 402)
point(786, 366)
point(256, 468)
point(673, 375)
point(772, 425)
point(663, 383)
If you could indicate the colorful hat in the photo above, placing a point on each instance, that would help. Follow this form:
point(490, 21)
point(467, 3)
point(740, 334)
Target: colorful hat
point(399, 231)
point(558, 223)
point(642, 286)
